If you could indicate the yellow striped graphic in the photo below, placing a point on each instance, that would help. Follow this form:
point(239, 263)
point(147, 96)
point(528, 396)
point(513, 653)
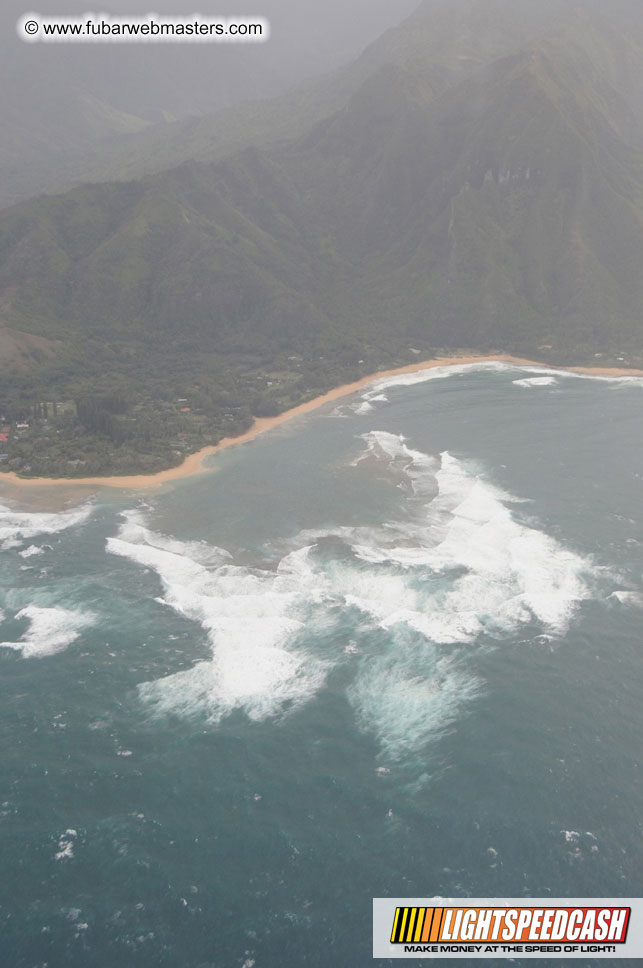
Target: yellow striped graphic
point(394, 931)
point(412, 925)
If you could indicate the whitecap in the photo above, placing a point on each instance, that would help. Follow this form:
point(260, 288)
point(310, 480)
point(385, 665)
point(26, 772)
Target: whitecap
point(406, 710)
point(441, 372)
point(50, 630)
point(31, 551)
point(457, 568)
point(502, 572)
point(367, 401)
point(135, 531)
point(619, 381)
point(498, 366)
point(251, 616)
point(364, 408)
point(17, 526)
point(415, 467)
point(263, 682)
point(65, 851)
point(625, 597)
point(536, 381)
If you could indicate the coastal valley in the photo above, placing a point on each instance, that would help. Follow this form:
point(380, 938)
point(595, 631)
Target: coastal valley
point(475, 180)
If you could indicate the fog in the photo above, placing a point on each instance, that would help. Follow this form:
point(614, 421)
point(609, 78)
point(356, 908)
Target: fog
point(48, 90)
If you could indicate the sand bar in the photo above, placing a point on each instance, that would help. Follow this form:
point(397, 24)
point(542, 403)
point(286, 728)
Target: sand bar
point(194, 463)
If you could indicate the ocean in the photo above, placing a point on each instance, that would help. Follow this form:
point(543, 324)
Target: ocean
point(390, 649)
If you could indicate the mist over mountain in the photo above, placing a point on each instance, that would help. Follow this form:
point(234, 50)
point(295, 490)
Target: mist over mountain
point(58, 100)
point(478, 183)
point(104, 112)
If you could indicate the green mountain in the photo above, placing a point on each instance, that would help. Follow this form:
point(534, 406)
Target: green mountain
point(454, 199)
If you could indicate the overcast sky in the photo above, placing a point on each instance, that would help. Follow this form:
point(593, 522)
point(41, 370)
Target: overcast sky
point(308, 37)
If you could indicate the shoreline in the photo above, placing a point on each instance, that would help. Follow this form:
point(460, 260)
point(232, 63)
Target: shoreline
point(193, 463)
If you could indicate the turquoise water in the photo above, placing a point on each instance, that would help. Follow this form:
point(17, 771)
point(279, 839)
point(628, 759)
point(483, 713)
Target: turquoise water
point(391, 649)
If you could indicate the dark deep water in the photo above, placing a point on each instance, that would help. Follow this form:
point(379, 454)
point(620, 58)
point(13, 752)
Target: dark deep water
point(393, 649)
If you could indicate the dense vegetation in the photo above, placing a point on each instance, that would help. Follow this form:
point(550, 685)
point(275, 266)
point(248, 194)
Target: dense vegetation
point(86, 417)
point(493, 205)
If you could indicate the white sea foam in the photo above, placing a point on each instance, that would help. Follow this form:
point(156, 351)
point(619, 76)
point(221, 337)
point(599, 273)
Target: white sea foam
point(625, 597)
point(31, 551)
point(436, 373)
point(50, 630)
point(368, 399)
point(459, 369)
point(536, 381)
point(622, 381)
point(66, 843)
point(364, 408)
point(18, 526)
point(251, 617)
point(134, 531)
point(416, 468)
point(457, 565)
point(407, 696)
point(503, 572)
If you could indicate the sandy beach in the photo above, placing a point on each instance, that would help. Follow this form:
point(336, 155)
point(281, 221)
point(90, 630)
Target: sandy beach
point(194, 463)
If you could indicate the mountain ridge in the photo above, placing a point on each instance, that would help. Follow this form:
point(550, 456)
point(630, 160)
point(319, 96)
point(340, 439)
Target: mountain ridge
point(502, 211)
point(445, 41)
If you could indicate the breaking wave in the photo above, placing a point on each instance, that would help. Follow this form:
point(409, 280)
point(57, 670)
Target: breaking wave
point(626, 597)
point(399, 606)
point(31, 551)
point(252, 618)
point(50, 630)
point(17, 527)
point(536, 381)
point(544, 376)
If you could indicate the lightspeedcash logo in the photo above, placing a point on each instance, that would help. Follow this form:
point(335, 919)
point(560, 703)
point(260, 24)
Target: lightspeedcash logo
point(507, 928)
point(510, 925)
